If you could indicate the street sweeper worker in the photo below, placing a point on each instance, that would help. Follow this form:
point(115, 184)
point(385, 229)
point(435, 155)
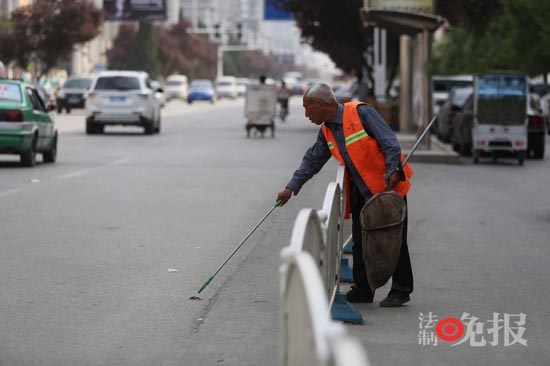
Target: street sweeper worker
point(356, 135)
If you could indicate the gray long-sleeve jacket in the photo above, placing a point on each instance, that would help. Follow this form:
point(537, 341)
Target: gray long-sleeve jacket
point(317, 155)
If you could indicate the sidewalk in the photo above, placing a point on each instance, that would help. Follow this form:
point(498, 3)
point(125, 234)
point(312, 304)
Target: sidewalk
point(439, 153)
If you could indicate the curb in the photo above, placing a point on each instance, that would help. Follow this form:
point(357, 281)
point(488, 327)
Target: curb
point(439, 153)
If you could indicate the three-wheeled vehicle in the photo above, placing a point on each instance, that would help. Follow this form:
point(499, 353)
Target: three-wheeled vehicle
point(500, 116)
point(260, 105)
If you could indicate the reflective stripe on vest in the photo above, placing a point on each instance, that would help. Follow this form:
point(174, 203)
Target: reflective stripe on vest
point(356, 137)
point(365, 154)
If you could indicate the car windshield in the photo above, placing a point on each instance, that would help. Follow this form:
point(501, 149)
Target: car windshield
point(201, 84)
point(117, 83)
point(78, 83)
point(447, 85)
point(501, 99)
point(460, 96)
point(224, 83)
point(10, 92)
point(173, 83)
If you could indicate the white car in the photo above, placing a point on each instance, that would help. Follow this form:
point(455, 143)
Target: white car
point(176, 87)
point(226, 87)
point(242, 83)
point(122, 98)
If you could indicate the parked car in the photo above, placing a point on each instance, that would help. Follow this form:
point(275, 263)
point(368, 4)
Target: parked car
point(462, 128)
point(501, 116)
point(226, 87)
point(454, 103)
point(26, 126)
point(464, 120)
point(242, 83)
point(122, 98)
point(536, 128)
point(442, 85)
point(159, 92)
point(201, 89)
point(176, 87)
point(73, 93)
point(342, 92)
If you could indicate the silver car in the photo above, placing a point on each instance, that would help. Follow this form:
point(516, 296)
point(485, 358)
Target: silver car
point(122, 98)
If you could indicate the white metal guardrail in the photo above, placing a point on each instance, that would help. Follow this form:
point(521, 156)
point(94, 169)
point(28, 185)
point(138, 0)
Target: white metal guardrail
point(308, 336)
point(309, 281)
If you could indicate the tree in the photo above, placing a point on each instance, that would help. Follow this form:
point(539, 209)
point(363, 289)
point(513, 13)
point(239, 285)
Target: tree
point(335, 27)
point(7, 43)
point(142, 54)
point(178, 50)
point(332, 27)
point(117, 55)
point(517, 38)
point(46, 32)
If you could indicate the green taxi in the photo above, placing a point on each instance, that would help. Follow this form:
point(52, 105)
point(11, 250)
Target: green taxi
point(26, 126)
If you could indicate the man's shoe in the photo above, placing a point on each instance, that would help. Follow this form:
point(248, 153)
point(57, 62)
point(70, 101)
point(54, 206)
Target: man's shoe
point(358, 296)
point(395, 299)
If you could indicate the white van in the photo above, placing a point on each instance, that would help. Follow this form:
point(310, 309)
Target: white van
point(176, 86)
point(226, 87)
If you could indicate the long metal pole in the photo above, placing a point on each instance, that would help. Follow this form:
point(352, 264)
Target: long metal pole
point(419, 140)
point(277, 204)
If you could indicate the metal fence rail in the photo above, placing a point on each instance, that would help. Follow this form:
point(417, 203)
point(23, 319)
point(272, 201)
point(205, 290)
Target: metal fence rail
point(309, 283)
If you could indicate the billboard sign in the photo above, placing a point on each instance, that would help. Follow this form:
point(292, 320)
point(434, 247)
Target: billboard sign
point(122, 10)
point(420, 6)
point(272, 12)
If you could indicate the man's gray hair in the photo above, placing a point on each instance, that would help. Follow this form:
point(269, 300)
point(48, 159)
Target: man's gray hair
point(321, 92)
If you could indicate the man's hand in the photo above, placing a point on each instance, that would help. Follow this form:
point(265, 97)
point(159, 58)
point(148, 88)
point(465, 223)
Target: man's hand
point(284, 196)
point(392, 180)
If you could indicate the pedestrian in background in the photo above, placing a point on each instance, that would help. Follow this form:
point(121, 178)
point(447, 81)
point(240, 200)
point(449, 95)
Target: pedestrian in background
point(356, 135)
point(2, 70)
point(360, 88)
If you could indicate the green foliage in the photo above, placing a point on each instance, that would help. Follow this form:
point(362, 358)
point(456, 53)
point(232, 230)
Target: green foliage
point(332, 27)
point(46, 32)
point(177, 50)
point(141, 54)
point(517, 39)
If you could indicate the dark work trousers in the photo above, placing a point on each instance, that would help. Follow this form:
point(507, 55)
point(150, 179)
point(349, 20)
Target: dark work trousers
point(402, 278)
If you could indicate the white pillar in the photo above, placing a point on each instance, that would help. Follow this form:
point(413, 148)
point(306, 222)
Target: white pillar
point(380, 64)
point(405, 84)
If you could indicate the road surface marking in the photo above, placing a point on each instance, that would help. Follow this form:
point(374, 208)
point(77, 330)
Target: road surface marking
point(9, 192)
point(120, 161)
point(74, 174)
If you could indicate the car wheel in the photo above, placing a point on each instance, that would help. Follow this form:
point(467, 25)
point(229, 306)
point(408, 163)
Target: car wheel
point(149, 127)
point(521, 157)
point(476, 154)
point(28, 158)
point(465, 149)
point(157, 129)
point(90, 128)
point(538, 147)
point(51, 155)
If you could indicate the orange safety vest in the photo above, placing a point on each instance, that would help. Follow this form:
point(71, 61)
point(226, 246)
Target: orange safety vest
point(365, 155)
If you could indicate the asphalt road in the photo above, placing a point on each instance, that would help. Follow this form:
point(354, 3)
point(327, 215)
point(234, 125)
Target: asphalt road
point(87, 244)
